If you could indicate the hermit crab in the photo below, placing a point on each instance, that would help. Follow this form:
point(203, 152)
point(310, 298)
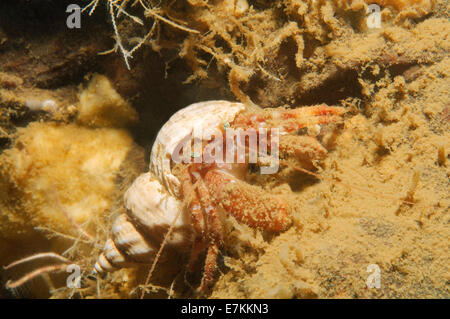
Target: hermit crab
point(211, 181)
point(198, 168)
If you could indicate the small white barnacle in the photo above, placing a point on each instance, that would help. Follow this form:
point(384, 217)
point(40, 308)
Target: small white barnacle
point(236, 8)
point(48, 105)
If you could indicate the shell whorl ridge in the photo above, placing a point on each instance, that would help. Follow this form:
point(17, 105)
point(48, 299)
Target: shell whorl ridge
point(153, 200)
point(137, 235)
point(207, 116)
point(127, 242)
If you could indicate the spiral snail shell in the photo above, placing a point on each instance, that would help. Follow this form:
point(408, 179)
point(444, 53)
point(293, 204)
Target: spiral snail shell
point(153, 200)
point(137, 234)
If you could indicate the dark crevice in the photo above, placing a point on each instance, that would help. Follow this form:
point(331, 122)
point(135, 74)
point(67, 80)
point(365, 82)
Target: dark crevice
point(34, 18)
point(310, 45)
point(344, 85)
point(42, 50)
point(382, 151)
point(399, 69)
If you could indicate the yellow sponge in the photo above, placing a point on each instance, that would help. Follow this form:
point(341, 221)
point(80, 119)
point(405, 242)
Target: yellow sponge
point(101, 106)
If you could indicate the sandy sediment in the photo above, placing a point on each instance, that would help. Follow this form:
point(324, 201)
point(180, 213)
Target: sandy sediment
point(69, 141)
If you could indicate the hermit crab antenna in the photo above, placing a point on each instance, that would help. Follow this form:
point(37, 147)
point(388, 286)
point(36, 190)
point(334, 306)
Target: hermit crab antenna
point(46, 269)
point(332, 180)
point(166, 237)
point(14, 284)
point(37, 256)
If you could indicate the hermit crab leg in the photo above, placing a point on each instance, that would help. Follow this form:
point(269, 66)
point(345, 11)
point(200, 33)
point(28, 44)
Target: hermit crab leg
point(303, 149)
point(212, 217)
point(210, 266)
point(294, 119)
point(317, 110)
point(215, 237)
point(192, 203)
point(290, 119)
point(249, 204)
point(202, 208)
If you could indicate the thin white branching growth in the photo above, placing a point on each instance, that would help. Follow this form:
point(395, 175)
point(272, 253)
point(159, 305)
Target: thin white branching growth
point(92, 4)
point(56, 233)
point(166, 237)
point(115, 10)
point(72, 247)
point(135, 19)
point(152, 12)
point(126, 55)
point(147, 36)
point(118, 45)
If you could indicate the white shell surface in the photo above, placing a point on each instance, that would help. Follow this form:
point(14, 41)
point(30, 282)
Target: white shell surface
point(152, 209)
point(152, 201)
point(137, 235)
point(204, 117)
